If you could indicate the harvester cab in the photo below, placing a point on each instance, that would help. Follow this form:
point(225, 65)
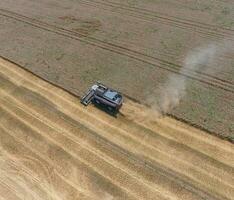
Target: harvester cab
point(100, 94)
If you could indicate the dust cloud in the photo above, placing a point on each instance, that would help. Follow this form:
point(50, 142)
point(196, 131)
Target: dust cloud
point(139, 113)
point(203, 59)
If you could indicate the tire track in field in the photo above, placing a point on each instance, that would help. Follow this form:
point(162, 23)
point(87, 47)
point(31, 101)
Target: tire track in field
point(153, 61)
point(59, 183)
point(151, 16)
point(152, 19)
point(7, 192)
point(10, 166)
point(57, 177)
point(19, 186)
point(33, 109)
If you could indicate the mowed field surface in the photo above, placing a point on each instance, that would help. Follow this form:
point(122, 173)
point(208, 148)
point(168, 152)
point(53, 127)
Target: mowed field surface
point(134, 46)
point(52, 147)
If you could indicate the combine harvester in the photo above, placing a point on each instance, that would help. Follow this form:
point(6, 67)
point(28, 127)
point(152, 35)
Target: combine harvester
point(99, 94)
